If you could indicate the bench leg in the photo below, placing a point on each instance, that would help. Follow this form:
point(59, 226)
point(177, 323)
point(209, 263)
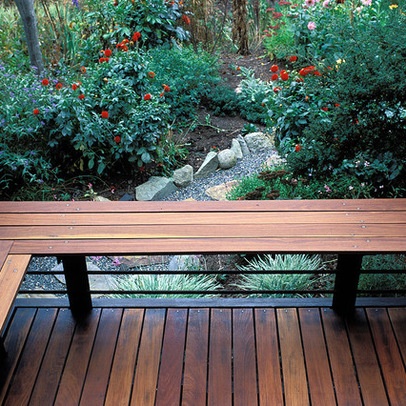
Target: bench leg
point(77, 284)
point(2, 349)
point(346, 283)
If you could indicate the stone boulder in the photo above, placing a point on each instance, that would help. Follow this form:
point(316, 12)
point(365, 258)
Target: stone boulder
point(183, 177)
point(244, 147)
point(227, 159)
point(209, 165)
point(236, 148)
point(156, 188)
point(258, 142)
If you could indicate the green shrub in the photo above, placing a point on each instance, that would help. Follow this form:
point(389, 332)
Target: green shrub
point(168, 282)
point(294, 281)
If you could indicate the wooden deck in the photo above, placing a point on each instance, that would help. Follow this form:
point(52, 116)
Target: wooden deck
point(205, 356)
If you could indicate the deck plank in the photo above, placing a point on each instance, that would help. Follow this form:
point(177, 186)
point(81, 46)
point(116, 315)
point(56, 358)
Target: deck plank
point(196, 355)
point(220, 358)
point(98, 373)
point(390, 360)
point(317, 364)
point(14, 343)
point(342, 367)
point(49, 375)
point(74, 373)
point(398, 319)
point(122, 372)
point(293, 366)
point(366, 362)
point(146, 375)
point(245, 379)
point(31, 357)
point(269, 366)
point(171, 369)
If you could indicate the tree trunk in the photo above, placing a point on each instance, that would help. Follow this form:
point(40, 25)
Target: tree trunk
point(240, 30)
point(27, 13)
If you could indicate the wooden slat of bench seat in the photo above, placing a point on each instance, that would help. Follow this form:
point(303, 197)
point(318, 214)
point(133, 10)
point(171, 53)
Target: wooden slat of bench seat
point(5, 246)
point(206, 206)
point(212, 230)
point(11, 276)
point(209, 245)
point(204, 218)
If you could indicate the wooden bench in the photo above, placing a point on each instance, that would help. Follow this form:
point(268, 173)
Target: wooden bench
point(73, 230)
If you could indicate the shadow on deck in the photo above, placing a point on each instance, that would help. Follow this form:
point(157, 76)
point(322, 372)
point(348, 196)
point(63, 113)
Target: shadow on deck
point(204, 356)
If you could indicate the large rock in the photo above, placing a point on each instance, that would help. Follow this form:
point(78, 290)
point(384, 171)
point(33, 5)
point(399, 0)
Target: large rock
point(258, 142)
point(227, 159)
point(156, 188)
point(220, 192)
point(244, 147)
point(184, 176)
point(210, 165)
point(236, 148)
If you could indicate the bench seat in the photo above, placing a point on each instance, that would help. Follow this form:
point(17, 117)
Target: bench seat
point(73, 230)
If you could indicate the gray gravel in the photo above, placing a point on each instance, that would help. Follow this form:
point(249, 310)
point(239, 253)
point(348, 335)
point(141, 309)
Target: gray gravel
point(248, 165)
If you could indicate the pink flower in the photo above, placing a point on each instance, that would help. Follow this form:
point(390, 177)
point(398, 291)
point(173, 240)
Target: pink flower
point(310, 3)
point(366, 2)
point(311, 26)
point(326, 3)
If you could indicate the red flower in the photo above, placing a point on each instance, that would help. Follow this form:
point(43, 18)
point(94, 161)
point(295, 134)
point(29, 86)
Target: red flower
point(83, 69)
point(74, 86)
point(308, 69)
point(336, 104)
point(45, 82)
point(104, 114)
point(81, 96)
point(293, 58)
point(101, 60)
point(147, 96)
point(186, 19)
point(136, 36)
point(277, 89)
point(284, 75)
point(35, 112)
point(298, 147)
point(117, 139)
point(166, 88)
point(59, 86)
point(274, 77)
point(107, 52)
point(274, 68)
point(151, 74)
point(324, 108)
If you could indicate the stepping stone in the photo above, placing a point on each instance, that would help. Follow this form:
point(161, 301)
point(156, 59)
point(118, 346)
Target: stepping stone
point(219, 192)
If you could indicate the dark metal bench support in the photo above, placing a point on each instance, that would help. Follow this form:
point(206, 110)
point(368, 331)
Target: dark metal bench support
point(77, 284)
point(346, 283)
